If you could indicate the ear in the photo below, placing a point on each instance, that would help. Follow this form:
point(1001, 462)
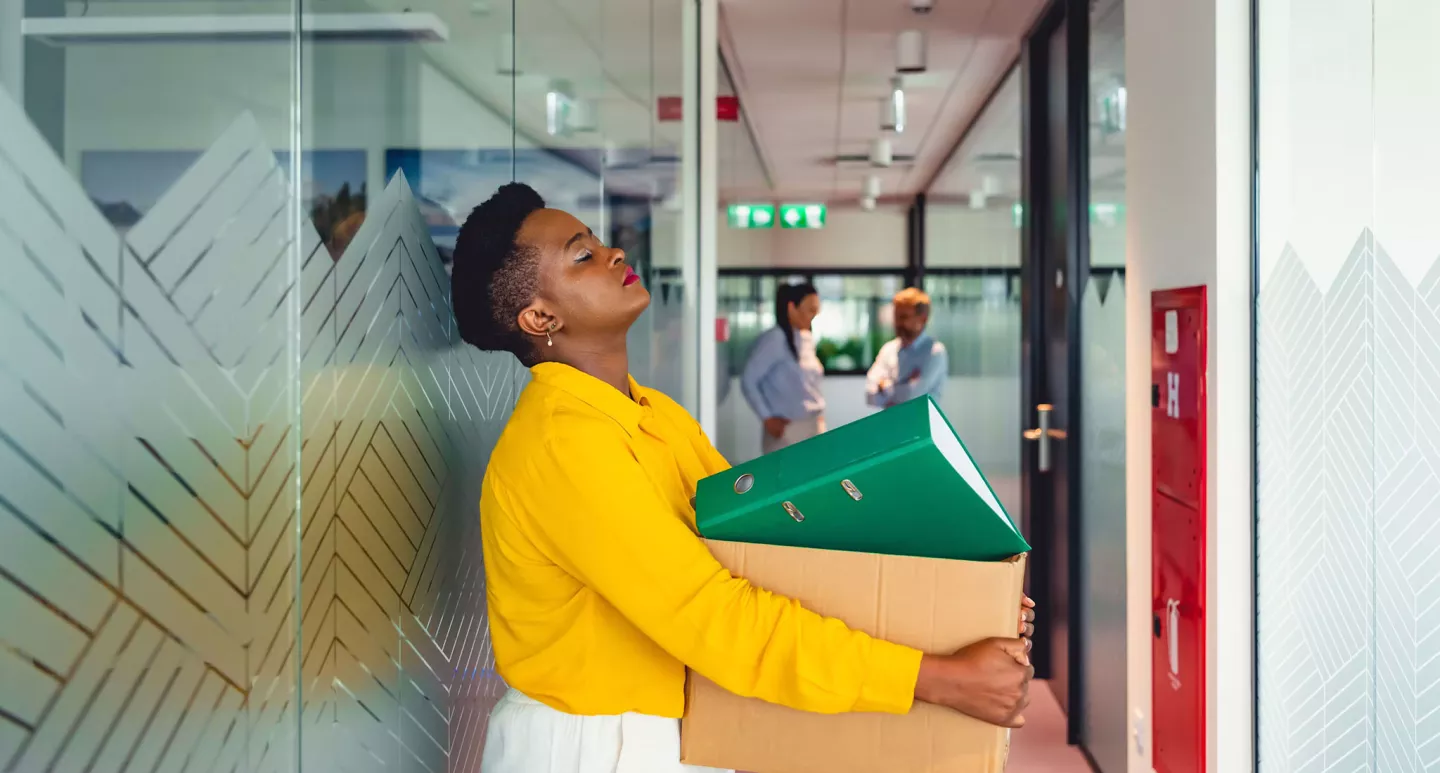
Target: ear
point(536, 320)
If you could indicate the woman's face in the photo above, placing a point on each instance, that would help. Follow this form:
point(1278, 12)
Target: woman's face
point(802, 314)
point(586, 289)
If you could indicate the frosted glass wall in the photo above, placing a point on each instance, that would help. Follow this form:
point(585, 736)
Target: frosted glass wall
point(1102, 429)
point(972, 249)
point(241, 444)
point(1349, 356)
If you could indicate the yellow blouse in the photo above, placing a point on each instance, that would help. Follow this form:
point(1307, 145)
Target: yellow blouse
point(601, 592)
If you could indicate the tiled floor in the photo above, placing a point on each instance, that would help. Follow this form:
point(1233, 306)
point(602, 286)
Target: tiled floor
point(1040, 746)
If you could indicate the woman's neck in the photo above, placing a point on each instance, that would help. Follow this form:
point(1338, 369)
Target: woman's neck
point(611, 365)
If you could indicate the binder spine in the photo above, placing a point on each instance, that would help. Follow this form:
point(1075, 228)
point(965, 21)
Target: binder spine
point(775, 503)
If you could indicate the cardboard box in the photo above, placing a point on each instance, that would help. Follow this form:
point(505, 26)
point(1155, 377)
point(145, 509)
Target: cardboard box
point(935, 605)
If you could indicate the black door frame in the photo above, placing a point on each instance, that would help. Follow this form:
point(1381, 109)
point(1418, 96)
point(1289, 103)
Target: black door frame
point(1074, 15)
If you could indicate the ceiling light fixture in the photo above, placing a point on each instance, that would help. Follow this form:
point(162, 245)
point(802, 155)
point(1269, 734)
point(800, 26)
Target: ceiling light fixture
point(892, 115)
point(239, 28)
point(910, 51)
point(559, 106)
point(867, 204)
point(872, 187)
point(882, 154)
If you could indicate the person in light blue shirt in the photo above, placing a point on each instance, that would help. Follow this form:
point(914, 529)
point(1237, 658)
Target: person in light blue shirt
point(912, 364)
point(783, 377)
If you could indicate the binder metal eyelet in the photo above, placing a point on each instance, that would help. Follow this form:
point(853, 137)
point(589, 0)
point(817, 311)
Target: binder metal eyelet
point(851, 490)
point(744, 483)
point(793, 511)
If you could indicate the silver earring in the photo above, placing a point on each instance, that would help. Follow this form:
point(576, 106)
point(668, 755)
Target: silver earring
point(548, 340)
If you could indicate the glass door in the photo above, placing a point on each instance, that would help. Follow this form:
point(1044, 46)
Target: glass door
point(1052, 279)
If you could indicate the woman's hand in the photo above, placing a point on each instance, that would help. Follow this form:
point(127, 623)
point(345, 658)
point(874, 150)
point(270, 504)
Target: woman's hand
point(775, 426)
point(1027, 617)
point(988, 680)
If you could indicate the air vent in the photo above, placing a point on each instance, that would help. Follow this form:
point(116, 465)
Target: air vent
point(863, 159)
point(996, 158)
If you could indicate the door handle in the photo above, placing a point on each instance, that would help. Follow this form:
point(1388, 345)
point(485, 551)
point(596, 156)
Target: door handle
point(1043, 434)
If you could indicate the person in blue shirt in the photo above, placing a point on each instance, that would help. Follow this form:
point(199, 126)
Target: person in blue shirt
point(912, 364)
point(783, 376)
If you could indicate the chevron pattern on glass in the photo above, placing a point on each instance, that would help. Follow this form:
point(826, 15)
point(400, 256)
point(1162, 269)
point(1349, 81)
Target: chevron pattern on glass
point(152, 460)
point(1349, 489)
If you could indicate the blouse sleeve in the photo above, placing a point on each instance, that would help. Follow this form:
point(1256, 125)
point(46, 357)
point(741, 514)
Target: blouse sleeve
point(606, 526)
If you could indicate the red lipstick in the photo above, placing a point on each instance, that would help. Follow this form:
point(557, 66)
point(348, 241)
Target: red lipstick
point(630, 276)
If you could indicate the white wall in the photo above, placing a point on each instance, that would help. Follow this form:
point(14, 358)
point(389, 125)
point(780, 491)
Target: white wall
point(958, 236)
point(1188, 166)
point(955, 236)
point(851, 237)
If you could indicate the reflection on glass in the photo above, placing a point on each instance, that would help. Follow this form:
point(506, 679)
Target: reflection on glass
point(972, 255)
point(1102, 368)
point(852, 325)
point(148, 409)
point(976, 314)
point(849, 331)
point(240, 444)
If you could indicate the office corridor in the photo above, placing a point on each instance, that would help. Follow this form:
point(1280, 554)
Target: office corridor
point(1040, 746)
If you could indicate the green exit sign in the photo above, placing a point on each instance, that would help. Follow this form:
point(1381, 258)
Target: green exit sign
point(802, 215)
point(751, 215)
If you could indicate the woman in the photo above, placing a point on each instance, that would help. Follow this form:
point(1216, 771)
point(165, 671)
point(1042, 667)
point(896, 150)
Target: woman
point(783, 376)
point(600, 593)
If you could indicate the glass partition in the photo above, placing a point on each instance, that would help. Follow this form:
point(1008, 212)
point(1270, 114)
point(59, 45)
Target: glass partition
point(852, 325)
point(1348, 321)
point(155, 224)
point(241, 444)
point(1102, 372)
point(972, 274)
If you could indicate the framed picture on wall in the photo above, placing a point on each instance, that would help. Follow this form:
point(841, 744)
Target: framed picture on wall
point(448, 183)
point(126, 184)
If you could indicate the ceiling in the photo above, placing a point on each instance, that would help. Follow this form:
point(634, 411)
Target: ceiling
point(811, 75)
point(989, 157)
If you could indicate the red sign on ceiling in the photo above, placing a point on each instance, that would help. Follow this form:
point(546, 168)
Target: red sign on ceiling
point(727, 108)
point(668, 109)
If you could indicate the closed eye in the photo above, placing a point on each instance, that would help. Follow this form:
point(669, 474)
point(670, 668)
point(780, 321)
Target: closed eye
point(583, 256)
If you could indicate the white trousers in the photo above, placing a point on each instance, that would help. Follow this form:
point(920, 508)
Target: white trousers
point(795, 431)
point(526, 736)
